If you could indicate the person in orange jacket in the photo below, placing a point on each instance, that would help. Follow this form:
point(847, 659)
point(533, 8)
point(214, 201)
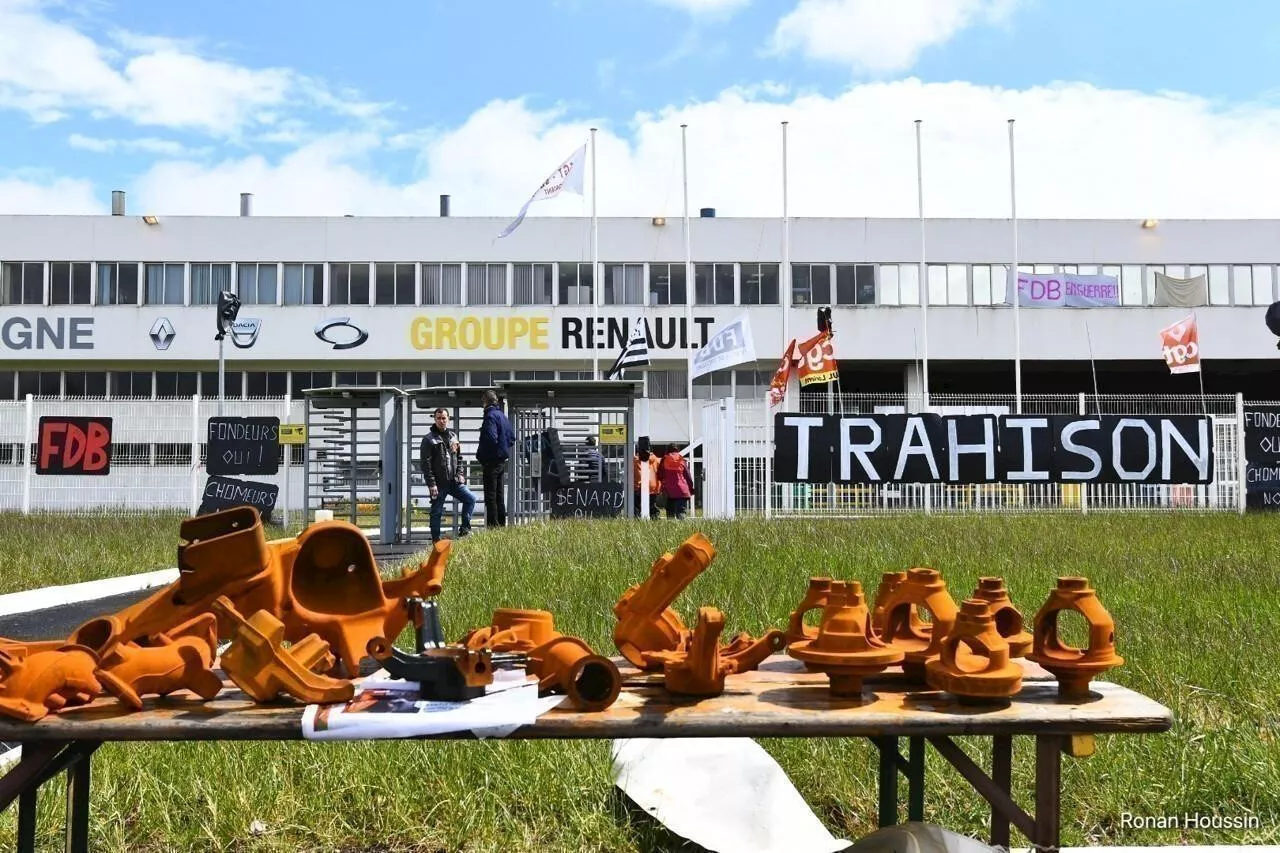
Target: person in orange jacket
point(655, 485)
point(677, 482)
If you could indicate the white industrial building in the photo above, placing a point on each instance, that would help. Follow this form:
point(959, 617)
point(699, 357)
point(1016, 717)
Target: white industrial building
point(121, 305)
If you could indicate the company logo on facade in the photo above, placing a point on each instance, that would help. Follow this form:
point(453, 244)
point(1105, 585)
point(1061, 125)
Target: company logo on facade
point(244, 332)
point(341, 333)
point(162, 333)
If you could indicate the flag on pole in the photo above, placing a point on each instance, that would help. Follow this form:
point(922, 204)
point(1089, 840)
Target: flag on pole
point(566, 178)
point(818, 360)
point(635, 353)
point(1180, 344)
point(782, 376)
point(731, 346)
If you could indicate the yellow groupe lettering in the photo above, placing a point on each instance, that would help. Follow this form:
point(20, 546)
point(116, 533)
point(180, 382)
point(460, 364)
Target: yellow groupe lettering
point(538, 333)
point(495, 332)
point(420, 333)
point(469, 332)
point(519, 329)
point(446, 333)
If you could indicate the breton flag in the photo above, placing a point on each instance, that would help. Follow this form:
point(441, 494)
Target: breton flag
point(635, 353)
point(566, 178)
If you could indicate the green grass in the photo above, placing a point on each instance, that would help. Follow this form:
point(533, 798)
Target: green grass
point(1198, 622)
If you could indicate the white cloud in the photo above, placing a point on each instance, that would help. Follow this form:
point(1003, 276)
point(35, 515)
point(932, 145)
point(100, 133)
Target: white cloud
point(1082, 152)
point(146, 145)
point(61, 195)
point(48, 69)
point(880, 36)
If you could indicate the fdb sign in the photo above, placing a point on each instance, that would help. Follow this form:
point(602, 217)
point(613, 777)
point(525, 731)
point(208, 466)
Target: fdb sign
point(74, 446)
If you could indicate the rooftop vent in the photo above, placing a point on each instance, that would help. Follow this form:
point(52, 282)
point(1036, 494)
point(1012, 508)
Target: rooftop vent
point(444, 205)
point(117, 202)
point(246, 204)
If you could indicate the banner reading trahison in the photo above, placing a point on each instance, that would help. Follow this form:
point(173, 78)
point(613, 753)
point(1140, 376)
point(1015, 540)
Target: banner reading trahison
point(1064, 290)
point(731, 345)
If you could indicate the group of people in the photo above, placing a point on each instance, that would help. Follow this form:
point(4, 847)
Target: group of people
point(669, 479)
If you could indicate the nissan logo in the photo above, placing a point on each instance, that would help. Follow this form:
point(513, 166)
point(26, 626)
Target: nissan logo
point(341, 333)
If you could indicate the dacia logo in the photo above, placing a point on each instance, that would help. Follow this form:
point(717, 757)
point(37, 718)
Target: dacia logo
point(244, 332)
point(162, 333)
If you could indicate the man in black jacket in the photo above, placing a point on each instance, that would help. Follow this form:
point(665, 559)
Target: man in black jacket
point(492, 452)
point(441, 460)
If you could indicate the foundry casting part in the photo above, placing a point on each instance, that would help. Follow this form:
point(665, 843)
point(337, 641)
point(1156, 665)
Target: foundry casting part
point(921, 641)
point(746, 653)
point(514, 630)
point(846, 648)
point(1074, 667)
point(889, 581)
point(263, 667)
point(1008, 618)
point(32, 685)
point(975, 662)
point(815, 598)
point(646, 622)
point(696, 670)
point(337, 593)
point(180, 660)
point(445, 674)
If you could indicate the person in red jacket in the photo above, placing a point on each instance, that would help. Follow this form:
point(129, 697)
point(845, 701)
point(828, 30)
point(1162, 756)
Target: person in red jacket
point(677, 482)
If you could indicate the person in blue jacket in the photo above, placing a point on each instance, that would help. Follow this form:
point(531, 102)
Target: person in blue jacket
point(492, 452)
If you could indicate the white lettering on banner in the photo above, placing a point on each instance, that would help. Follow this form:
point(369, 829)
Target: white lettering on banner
point(1117, 436)
point(1026, 425)
point(849, 449)
point(803, 425)
point(987, 448)
point(1069, 444)
point(1170, 436)
point(730, 346)
point(915, 430)
point(57, 333)
point(230, 491)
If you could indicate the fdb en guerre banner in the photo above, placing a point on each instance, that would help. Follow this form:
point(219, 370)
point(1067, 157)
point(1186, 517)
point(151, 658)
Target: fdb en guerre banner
point(971, 449)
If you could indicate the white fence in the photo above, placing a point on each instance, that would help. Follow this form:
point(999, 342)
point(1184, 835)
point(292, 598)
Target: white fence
point(754, 459)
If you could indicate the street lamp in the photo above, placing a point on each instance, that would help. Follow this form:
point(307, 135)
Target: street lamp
point(228, 309)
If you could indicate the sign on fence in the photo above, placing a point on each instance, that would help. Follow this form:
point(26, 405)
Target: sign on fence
point(225, 493)
point(588, 500)
point(293, 433)
point(80, 446)
point(1262, 456)
point(972, 449)
point(243, 446)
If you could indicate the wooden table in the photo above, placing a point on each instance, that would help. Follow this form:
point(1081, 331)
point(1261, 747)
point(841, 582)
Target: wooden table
point(780, 699)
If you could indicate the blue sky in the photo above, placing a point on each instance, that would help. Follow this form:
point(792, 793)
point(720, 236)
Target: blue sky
point(382, 103)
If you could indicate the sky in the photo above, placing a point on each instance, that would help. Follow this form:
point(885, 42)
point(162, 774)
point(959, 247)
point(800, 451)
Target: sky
point(1121, 108)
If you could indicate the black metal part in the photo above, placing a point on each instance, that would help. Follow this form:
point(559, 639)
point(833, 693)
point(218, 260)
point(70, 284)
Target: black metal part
point(436, 665)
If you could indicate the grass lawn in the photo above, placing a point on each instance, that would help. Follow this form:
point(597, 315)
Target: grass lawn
point(1195, 599)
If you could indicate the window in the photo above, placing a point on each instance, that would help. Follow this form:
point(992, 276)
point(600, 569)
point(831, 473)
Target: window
point(667, 384)
point(266, 384)
point(442, 284)
point(982, 290)
point(751, 384)
point(713, 284)
point(164, 284)
point(486, 284)
point(575, 283)
point(82, 384)
point(624, 284)
point(532, 284)
point(855, 284)
point(45, 383)
point(304, 284)
point(234, 385)
point(949, 284)
point(1130, 284)
point(22, 283)
point(303, 379)
point(401, 379)
point(667, 284)
point(1219, 285)
point(393, 284)
point(125, 383)
point(208, 280)
point(810, 284)
point(257, 284)
point(759, 284)
point(69, 284)
point(1262, 276)
point(487, 378)
point(578, 375)
point(367, 378)
point(535, 375)
point(713, 386)
point(937, 284)
point(117, 284)
point(8, 379)
point(445, 379)
point(908, 284)
point(174, 384)
point(889, 284)
point(348, 284)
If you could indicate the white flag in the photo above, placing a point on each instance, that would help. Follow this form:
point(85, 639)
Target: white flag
point(730, 346)
point(566, 177)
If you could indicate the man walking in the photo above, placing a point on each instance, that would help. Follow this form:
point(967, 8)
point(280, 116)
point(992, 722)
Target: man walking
point(441, 460)
point(492, 452)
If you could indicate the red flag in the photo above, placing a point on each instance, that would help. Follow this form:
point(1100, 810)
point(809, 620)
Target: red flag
point(818, 360)
point(778, 386)
point(1180, 344)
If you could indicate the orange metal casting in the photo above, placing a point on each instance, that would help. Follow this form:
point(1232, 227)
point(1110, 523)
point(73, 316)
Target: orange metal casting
point(180, 660)
point(1074, 667)
point(32, 685)
point(889, 581)
point(698, 669)
point(1008, 618)
point(815, 598)
point(846, 648)
point(335, 591)
point(514, 631)
point(746, 653)
point(261, 666)
point(646, 622)
point(921, 641)
point(975, 661)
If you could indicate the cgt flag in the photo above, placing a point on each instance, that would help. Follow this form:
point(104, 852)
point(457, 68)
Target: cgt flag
point(730, 346)
point(1180, 344)
point(818, 360)
point(782, 376)
point(566, 178)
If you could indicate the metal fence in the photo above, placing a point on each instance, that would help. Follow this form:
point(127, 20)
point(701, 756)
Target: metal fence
point(754, 458)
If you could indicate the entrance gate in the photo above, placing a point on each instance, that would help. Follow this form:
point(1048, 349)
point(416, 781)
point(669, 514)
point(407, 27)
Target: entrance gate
point(465, 419)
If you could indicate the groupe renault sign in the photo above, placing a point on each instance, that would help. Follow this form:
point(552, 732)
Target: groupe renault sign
point(47, 333)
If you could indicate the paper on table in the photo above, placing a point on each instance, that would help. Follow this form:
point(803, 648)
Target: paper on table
point(385, 707)
point(720, 793)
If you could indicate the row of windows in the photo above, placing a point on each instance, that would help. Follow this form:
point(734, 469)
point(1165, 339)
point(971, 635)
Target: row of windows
point(571, 283)
point(148, 385)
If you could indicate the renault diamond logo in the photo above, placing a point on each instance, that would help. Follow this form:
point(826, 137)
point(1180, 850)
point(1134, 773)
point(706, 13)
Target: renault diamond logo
point(341, 333)
point(162, 334)
point(244, 332)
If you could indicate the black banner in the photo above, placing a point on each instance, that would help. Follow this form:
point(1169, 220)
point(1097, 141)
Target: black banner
point(225, 493)
point(1262, 456)
point(588, 500)
point(79, 446)
point(969, 449)
point(243, 446)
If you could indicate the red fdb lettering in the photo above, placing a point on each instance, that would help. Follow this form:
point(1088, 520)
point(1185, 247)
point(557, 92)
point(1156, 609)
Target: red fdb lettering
point(95, 454)
point(48, 446)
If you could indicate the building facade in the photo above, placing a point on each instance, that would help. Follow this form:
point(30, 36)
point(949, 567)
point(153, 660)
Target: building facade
point(122, 306)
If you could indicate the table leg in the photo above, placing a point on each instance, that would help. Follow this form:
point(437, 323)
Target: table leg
point(77, 837)
point(915, 779)
point(1002, 775)
point(888, 747)
point(27, 820)
point(1048, 792)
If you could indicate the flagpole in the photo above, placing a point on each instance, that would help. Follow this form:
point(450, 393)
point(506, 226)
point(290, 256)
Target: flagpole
point(689, 285)
point(924, 279)
point(1017, 295)
point(786, 247)
point(596, 278)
